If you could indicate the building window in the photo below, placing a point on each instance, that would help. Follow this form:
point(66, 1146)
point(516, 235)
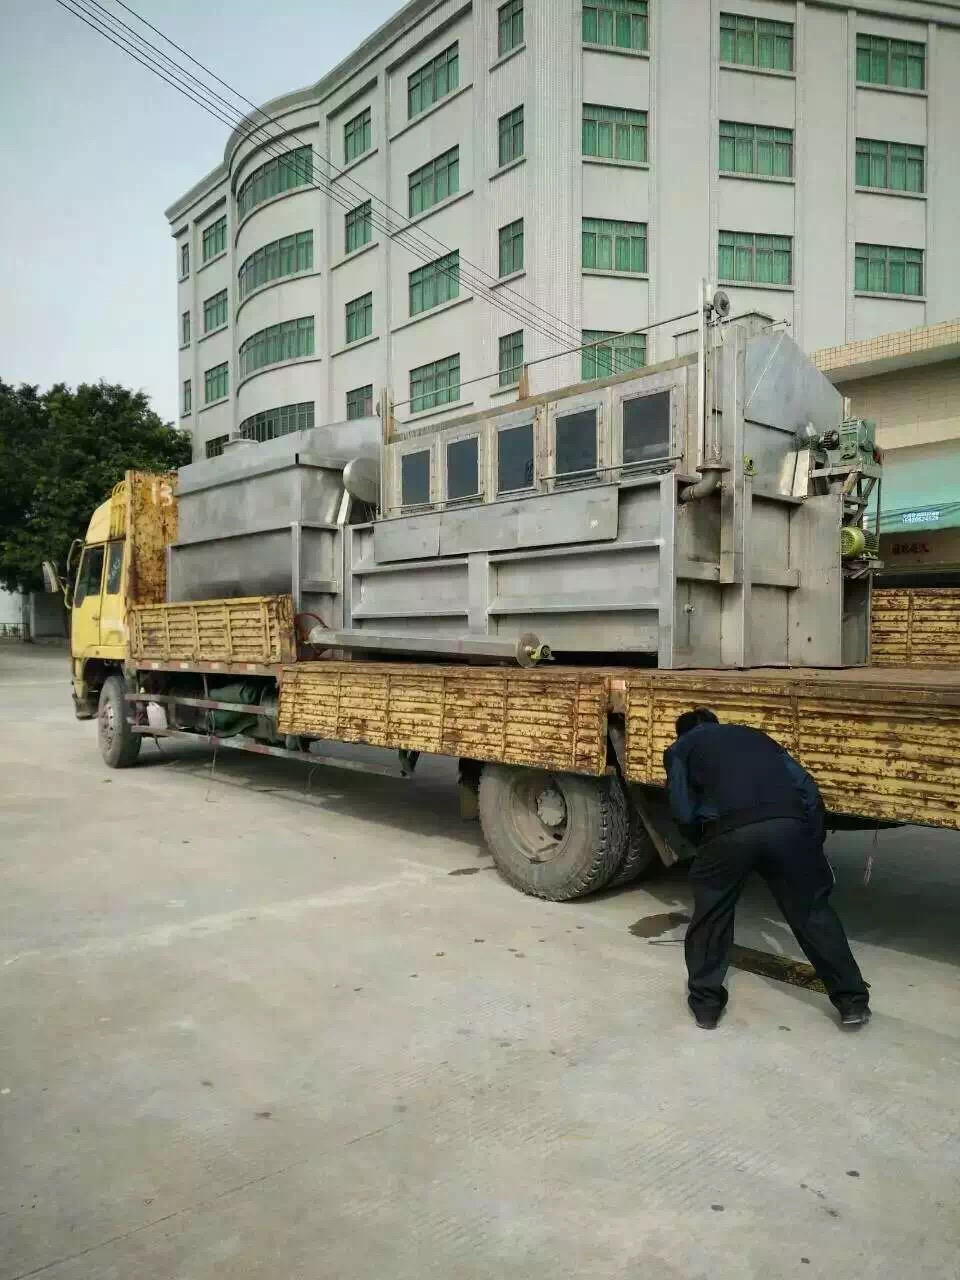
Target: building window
point(614, 133)
point(281, 421)
point(901, 63)
point(617, 24)
point(214, 447)
point(215, 312)
point(273, 261)
point(216, 382)
point(755, 259)
point(215, 239)
point(292, 340)
point(614, 246)
point(434, 181)
point(894, 166)
point(360, 402)
point(415, 478)
point(511, 248)
point(756, 42)
point(511, 358)
point(887, 268)
point(509, 26)
point(357, 136)
point(359, 313)
point(359, 226)
point(432, 385)
point(430, 83)
point(515, 458)
point(612, 353)
point(185, 329)
point(575, 436)
point(756, 148)
point(184, 261)
point(463, 469)
point(187, 397)
point(435, 283)
point(283, 173)
point(510, 136)
point(646, 428)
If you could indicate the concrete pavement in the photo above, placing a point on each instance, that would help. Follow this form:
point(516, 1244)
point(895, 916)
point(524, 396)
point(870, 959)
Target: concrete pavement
point(255, 1028)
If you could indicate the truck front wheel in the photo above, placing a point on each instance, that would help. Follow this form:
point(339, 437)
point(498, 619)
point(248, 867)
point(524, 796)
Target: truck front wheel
point(554, 835)
point(118, 746)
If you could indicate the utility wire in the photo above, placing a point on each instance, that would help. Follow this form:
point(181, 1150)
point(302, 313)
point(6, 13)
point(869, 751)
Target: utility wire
point(339, 172)
point(420, 251)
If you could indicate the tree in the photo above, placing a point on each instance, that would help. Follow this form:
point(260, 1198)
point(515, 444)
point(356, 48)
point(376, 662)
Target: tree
point(61, 453)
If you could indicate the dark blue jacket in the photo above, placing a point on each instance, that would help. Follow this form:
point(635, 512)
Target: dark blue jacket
point(723, 776)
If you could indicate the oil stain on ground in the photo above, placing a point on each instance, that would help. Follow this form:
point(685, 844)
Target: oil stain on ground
point(654, 926)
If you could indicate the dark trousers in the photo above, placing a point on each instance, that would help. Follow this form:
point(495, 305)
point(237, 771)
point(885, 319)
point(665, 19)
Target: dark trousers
point(788, 856)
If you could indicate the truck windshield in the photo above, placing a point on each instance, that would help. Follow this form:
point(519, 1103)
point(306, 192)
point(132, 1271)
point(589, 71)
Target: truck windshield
point(90, 575)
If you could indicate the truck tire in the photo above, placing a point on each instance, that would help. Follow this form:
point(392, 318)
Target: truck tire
point(118, 746)
point(641, 858)
point(557, 836)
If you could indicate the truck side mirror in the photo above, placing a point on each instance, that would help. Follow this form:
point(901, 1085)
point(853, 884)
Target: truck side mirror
point(51, 579)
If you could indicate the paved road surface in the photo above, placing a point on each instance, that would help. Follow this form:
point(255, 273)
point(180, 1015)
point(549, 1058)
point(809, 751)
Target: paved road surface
point(253, 1030)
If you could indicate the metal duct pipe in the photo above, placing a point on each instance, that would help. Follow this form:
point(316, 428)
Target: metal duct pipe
point(527, 651)
point(703, 488)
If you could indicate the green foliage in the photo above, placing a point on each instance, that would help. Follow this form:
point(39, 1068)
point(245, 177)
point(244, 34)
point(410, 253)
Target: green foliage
point(61, 453)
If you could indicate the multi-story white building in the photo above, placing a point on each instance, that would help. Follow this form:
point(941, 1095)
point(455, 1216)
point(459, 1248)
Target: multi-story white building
point(484, 184)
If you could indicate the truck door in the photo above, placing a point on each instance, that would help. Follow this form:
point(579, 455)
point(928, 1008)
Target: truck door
point(85, 614)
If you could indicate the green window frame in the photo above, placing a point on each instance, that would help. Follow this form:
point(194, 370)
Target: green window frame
point(902, 64)
point(756, 42)
point(435, 384)
point(358, 226)
point(617, 353)
point(291, 340)
point(888, 268)
point(435, 283)
point(510, 136)
point(357, 135)
point(284, 257)
point(433, 81)
point(281, 421)
point(359, 317)
point(509, 26)
point(187, 402)
point(511, 247)
point(215, 312)
point(890, 166)
point(756, 148)
point(282, 173)
point(615, 133)
point(214, 446)
point(184, 261)
point(185, 329)
point(617, 24)
point(434, 181)
point(214, 240)
point(360, 402)
point(216, 383)
point(511, 358)
point(746, 257)
point(614, 246)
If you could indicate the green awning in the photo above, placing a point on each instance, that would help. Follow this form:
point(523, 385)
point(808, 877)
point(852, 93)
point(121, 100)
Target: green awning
point(921, 488)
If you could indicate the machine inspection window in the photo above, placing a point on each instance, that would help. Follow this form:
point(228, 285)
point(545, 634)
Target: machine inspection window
point(463, 469)
point(415, 478)
point(576, 445)
point(90, 575)
point(515, 459)
point(646, 428)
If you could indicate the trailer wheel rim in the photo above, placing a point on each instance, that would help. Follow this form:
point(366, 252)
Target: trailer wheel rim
point(538, 814)
point(108, 725)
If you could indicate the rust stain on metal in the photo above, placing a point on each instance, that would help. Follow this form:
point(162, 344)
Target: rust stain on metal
point(915, 627)
point(150, 519)
point(257, 630)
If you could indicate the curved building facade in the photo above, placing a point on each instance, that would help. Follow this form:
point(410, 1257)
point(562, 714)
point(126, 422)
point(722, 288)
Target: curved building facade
point(542, 173)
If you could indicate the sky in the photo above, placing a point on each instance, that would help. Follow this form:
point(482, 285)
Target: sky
point(93, 148)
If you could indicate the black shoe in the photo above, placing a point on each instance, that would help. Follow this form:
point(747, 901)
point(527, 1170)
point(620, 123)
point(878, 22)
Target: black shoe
point(706, 1019)
point(855, 1015)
